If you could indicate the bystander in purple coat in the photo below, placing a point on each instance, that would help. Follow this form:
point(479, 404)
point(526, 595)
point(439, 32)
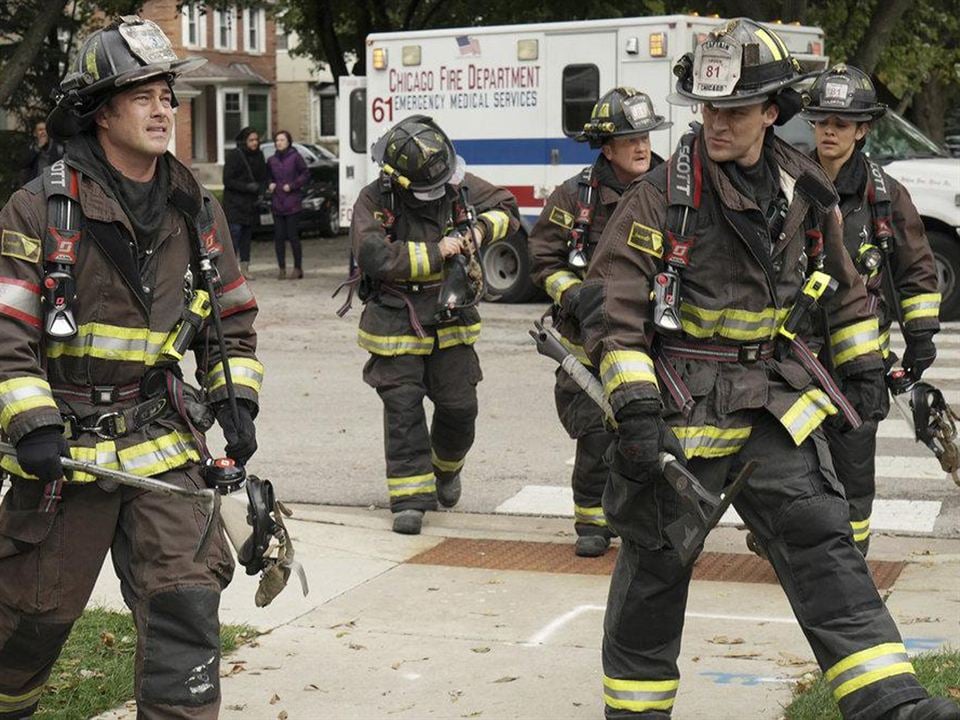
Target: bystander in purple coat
point(287, 174)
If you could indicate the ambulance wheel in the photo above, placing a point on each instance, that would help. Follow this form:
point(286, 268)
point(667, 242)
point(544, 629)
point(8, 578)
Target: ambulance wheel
point(946, 251)
point(506, 267)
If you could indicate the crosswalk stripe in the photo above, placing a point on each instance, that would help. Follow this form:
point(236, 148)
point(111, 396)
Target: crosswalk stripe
point(915, 516)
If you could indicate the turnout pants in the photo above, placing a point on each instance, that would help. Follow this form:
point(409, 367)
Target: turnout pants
point(416, 456)
point(50, 562)
point(796, 508)
point(854, 458)
point(583, 421)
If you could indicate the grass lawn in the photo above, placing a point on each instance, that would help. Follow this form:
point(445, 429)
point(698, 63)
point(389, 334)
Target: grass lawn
point(95, 670)
point(938, 672)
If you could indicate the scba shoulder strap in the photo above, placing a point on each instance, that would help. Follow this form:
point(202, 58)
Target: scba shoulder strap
point(61, 188)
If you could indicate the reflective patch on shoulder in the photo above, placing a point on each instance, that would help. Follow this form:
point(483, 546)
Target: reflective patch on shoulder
point(17, 245)
point(646, 239)
point(559, 216)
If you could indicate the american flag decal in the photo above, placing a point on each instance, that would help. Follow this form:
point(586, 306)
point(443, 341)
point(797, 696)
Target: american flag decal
point(468, 45)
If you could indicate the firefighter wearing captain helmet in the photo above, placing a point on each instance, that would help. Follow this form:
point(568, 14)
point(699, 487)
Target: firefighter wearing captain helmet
point(841, 105)
point(408, 227)
point(561, 245)
point(96, 388)
point(684, 312)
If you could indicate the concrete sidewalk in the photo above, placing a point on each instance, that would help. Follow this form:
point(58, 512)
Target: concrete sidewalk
point(380, 637)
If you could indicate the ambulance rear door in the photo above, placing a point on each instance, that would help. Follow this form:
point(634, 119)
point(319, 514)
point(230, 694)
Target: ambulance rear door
point(354, 149)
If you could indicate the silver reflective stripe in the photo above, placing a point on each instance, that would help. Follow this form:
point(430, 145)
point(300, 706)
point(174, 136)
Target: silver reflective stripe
point(641, 697)
point(868, 666)
point(235, 298)
point(806, 414)
point(415, 485)
point(109, 342)
point(20, 300)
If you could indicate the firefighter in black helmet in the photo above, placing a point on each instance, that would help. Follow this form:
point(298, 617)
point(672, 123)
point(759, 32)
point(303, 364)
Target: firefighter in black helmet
point(561, 245)
point(103, 385)
point(411, 228)
point(684, 313)
point(884, 235)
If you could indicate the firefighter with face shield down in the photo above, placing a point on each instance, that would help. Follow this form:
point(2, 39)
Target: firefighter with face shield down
point(884, 235)
point(415, 233)
point(717, 277)
point(99, 270)
point(561, 246)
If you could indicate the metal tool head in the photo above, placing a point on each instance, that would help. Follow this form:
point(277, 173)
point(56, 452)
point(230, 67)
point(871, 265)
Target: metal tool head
point(210, 504)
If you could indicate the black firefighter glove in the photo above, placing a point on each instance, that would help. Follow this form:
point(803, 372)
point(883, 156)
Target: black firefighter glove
point(570, 302)
point(40, 450)
point(920, 353)
point(241, 439)
point(867, 392)
point(641, 436)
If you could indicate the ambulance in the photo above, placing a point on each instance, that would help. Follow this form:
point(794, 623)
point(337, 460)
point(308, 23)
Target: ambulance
point(512, 98)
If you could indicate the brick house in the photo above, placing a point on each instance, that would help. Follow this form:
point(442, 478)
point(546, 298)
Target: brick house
point(235, 88)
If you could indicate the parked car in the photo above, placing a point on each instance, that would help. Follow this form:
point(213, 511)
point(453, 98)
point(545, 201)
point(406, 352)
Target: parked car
point(320, 211)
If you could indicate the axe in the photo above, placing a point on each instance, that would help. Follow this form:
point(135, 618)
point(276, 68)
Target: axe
point(689, 531)
point(209, 500)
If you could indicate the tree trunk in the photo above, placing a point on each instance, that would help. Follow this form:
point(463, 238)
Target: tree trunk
point(29, 47)
point(320, 10)
point(884, 18)
point(929, 108)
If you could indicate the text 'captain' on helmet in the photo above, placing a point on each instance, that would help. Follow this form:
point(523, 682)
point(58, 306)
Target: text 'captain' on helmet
point(419, 157)
point(739, 63)
point(843, 91)
point(130, 51)
point(621, 112)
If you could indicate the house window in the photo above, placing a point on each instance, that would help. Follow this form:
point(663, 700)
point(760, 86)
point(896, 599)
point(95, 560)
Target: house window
point(194, 26)
point(581, 89)
point(232, 115)
point(254, 30)
point(225, 29)
point(283, 39)
point(328, 117)
point(258, 115)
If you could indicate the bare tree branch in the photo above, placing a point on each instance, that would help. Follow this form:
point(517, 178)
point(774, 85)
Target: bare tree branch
point(408, 15)
point(320, 11)
point(29, 47)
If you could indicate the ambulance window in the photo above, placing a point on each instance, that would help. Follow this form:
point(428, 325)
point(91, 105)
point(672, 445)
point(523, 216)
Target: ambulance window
point(358, 120)
point(581, 90)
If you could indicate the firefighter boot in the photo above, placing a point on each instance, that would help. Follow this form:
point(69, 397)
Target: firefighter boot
point(408, 522)
point(938, 708)
point(755, 546)
point(448, 490)
point(592, 545)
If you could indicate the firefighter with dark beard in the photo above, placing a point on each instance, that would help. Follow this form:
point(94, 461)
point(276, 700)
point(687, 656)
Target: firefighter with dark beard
point(413, 230)
point(715, 274)
point(100, 271)
point(561, 245)
point(884, 235)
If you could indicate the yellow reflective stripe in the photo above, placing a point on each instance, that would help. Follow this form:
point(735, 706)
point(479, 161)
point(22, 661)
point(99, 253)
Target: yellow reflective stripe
point(639, 695)
point(13, 703)
point(867, 667)
point(806, 414)
point(458, 335)
point(445, 465)
point(860, 529)
point(499, 224)
point(710, 441)
point(419, 260)
point(243, 371)
point(885, 343)
point(731, 323)
point(414, 485)
point(771, 43)
point(110, 342)
point(390, 345)
point(155, 456)
point(21, 394)
point(589, 516)
point(852, 341)
point(558, 282)
point(576, 350)
point(920, 306)
point(619, 367)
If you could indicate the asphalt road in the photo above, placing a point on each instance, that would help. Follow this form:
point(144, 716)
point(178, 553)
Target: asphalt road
point(320, 428)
